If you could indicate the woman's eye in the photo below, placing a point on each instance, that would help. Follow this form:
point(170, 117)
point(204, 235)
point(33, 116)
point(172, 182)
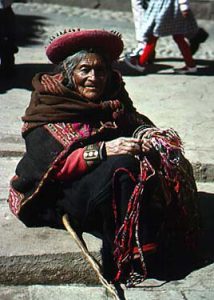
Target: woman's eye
point(84, 70)
point(97, 72)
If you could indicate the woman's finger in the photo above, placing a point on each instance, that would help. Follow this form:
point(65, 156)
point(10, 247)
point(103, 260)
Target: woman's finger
point(146, 145)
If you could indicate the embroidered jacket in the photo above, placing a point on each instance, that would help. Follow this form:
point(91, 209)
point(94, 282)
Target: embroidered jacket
point(55, 151)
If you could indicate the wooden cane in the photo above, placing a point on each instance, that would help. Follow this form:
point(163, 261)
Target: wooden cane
point(92, 261)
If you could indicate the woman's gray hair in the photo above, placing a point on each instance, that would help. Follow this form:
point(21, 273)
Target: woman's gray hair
point(69, 64)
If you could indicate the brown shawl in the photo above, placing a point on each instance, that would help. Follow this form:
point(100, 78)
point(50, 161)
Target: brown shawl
point(51, 101)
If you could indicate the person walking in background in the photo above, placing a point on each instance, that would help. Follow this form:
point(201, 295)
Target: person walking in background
point(7, 36)
point(195, 38)
point(138, 10)
point(163, 18)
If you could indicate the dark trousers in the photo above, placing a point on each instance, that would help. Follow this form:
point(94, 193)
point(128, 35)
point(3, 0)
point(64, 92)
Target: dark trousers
point(7, 36)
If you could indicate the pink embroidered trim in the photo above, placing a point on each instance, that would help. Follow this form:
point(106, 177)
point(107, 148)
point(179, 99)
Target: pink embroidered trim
point(67, 133)
point(52, 83)
point(15, 200)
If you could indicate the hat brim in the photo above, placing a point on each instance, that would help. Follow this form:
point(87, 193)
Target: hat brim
point(106, 42)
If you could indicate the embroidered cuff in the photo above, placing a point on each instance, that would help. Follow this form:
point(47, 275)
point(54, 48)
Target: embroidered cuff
point(95, 152)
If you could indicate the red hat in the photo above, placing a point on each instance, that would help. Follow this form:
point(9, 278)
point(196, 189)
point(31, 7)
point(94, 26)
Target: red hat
point(71, 41)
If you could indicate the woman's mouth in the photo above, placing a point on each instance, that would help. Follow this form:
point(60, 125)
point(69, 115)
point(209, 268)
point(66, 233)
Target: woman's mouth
point(91, 87)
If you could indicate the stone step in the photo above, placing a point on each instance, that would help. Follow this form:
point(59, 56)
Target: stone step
point(49, 256)
point(198, 285)
point(41, 255)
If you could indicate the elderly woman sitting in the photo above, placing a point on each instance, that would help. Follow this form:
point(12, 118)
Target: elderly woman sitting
point(92, 156)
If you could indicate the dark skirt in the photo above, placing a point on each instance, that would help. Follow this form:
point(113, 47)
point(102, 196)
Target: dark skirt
point(89, 200)
point(89, 197)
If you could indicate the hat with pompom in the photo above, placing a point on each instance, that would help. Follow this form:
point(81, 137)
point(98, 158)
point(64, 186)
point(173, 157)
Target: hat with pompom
point(71, 41)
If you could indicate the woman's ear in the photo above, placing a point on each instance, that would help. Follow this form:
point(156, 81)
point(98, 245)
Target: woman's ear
point(65, 81)
point(68, 80)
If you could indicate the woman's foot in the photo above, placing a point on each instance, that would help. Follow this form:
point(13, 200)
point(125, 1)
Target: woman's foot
point(186, 70)
point(132, 58)
point(200, 37)
point(133, 62)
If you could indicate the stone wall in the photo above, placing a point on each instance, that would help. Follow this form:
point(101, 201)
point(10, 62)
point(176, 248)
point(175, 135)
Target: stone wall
point(203, 9)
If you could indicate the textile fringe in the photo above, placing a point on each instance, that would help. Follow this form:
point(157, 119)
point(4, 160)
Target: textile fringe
point(91, 260)
point(127, 235)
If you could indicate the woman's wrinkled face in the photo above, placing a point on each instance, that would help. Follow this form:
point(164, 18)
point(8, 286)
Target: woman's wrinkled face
point(90, 77)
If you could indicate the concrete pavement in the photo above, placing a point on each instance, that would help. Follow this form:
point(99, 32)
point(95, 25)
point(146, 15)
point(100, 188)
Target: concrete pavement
point(31, 256)
point(202, 9)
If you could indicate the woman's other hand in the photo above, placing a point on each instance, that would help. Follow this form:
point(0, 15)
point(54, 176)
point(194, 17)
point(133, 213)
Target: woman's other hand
point(125, 145)
point(146, 145)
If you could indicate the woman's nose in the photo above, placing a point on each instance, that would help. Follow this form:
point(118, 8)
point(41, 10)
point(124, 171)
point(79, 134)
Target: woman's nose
point(92, 74)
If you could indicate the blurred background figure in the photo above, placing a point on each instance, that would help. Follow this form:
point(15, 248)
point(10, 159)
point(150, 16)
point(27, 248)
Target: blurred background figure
point(7, 36)
point(138, 9)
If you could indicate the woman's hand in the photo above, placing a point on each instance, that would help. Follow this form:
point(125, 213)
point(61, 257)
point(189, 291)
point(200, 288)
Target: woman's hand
point(146, 145)
point(130, 146)
point(123, 145)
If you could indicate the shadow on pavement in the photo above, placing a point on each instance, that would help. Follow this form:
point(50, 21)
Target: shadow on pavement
point(206, 207)
point(180, 264)
point(164, 66)
point(29, 30)
point(22, 76)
